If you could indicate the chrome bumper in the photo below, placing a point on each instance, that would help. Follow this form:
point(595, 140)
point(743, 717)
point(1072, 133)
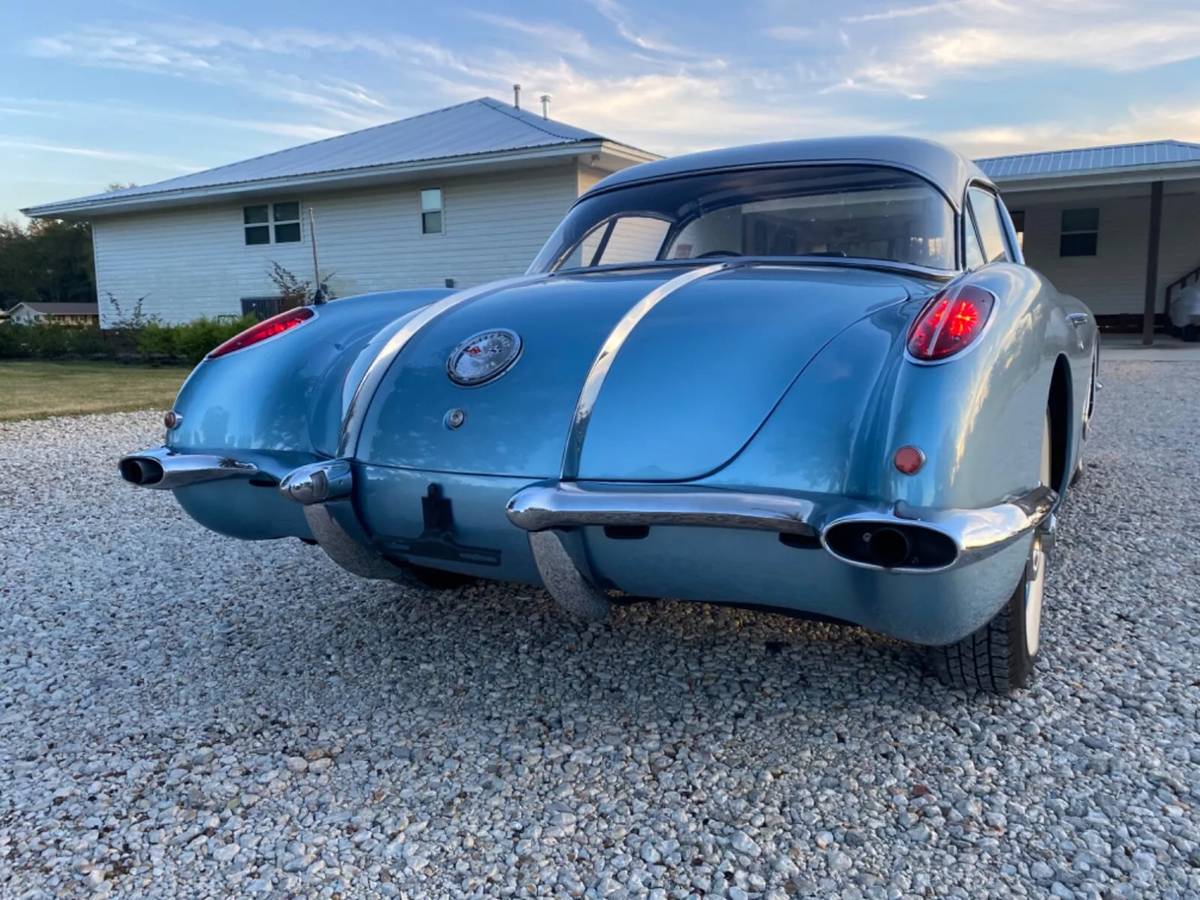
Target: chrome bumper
point(569, 505)
point(548, 511)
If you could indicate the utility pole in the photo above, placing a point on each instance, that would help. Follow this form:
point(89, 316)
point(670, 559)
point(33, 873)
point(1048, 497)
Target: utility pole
point(318, 288)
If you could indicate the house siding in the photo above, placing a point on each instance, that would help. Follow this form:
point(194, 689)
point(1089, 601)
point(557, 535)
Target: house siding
point(1114, 280)
point(193, 262)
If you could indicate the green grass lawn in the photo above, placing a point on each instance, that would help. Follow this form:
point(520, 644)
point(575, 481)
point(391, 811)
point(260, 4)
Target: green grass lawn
point(34, 390)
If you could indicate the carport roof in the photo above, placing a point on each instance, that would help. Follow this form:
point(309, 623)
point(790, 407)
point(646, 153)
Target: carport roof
point(478, 132)
point(1090, 160)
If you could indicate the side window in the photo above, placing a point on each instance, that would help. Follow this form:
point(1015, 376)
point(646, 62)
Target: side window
point(1018, 220)
point(974, 254)
point(987, 219)
point(431, 211)
point(624, 240)
point(1080, 232)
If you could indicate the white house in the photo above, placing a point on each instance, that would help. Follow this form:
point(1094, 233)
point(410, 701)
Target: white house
point(1119, 227)
point(457, 196)
point(29, 313)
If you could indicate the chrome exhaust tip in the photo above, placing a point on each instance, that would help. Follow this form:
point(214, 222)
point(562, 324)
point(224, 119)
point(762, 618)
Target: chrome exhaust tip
point(890, 545)
point(163, 469)
point(141, 470)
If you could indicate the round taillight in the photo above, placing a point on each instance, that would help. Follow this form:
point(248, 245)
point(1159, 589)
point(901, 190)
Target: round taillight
point(267, 328)
point(950, 321)
point(172, 419)
point(908, 460)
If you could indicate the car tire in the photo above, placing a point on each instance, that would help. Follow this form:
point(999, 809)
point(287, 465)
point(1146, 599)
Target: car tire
point(1190, 333)
point(999, 657)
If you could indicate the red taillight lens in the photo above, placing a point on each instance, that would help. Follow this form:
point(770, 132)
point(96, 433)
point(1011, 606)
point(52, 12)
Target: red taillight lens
point(278, 324)
point(950, 322)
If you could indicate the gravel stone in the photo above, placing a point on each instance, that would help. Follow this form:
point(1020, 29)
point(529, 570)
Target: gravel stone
point(183, 714)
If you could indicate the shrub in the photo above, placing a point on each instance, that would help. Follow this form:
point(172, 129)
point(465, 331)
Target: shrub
point(151, 342)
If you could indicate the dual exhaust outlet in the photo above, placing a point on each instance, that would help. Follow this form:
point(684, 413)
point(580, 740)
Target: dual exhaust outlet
point(890, 545)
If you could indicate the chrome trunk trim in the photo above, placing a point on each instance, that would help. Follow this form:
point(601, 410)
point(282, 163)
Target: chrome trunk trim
point(608, 352)
point(162, 469)
point(567, 505)
point(356, 411)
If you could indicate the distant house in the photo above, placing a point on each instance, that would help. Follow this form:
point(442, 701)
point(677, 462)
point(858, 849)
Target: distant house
point(457, 196)
point(1117, 226)
point(54, 314)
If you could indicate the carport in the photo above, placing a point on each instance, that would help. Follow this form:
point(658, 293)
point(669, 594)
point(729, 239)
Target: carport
point(1117, 226)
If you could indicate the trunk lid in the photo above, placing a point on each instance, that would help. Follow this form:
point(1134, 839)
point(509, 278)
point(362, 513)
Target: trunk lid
point(689, 386)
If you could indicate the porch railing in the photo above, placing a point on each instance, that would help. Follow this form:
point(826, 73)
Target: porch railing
point(1178, 285)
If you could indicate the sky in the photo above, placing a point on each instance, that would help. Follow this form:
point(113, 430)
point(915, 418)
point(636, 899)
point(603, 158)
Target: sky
point(93, 93)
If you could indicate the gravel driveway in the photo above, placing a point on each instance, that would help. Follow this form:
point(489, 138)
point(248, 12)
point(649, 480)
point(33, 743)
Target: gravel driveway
point(186, 714)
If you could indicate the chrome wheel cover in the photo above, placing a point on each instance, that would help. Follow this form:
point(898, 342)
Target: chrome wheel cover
point(1035, 572)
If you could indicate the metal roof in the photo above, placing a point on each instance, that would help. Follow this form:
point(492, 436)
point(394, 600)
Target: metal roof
point(477, 128)
point(1090, 159)
point(62, 309)
point(945, 168)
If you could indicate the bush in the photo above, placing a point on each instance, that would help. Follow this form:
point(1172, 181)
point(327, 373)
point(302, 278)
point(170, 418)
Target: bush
point(151, 342)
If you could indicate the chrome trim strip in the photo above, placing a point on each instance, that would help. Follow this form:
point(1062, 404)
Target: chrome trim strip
point(569, 505)
point(181, 469)
point(356, 412)
point(608, 352)
point(563, 580)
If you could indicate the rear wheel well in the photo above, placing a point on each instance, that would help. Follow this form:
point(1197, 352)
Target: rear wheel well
point(1059, 407)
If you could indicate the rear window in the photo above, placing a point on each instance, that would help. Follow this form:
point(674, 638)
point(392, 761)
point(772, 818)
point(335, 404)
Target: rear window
point(868, 212)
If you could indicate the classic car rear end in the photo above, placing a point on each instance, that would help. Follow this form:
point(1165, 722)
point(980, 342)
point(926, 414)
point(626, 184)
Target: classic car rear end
point(813, 376)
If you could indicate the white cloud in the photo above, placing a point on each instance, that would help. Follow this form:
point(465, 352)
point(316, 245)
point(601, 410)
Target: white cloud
point(909, 49)
point(202, 54)
point(1126, 126)
point(141, 159)
point(622, 21)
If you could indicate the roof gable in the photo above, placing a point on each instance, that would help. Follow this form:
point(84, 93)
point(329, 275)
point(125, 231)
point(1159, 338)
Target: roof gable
point(475, 128)
point(1090, 159)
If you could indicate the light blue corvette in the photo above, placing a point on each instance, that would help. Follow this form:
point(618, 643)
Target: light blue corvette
point(814, 376)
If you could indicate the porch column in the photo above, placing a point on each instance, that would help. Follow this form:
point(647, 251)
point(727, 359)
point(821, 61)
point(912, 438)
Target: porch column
point(1156, 197)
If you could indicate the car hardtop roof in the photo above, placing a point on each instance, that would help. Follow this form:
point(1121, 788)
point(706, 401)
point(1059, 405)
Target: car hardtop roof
point(946, 169)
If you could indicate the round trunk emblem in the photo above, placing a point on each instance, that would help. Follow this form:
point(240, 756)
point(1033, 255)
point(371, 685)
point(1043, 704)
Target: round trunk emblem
point(483, 356)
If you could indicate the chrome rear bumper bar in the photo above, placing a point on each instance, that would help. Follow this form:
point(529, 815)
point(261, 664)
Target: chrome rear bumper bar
point(569, 505)
point(548, 511)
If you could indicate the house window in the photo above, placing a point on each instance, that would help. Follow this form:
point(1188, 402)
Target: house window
point(431, 211)
point(1080, 228)
point(267, 223)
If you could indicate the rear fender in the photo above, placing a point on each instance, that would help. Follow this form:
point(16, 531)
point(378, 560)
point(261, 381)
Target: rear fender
point(286, 393)
point(976, 416)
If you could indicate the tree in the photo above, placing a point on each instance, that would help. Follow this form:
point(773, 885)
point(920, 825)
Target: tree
point(47, 261)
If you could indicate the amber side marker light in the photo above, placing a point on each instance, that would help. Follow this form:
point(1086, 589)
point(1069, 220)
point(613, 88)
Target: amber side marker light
point(267, 328)
point(950, 322)
point(909, 459)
